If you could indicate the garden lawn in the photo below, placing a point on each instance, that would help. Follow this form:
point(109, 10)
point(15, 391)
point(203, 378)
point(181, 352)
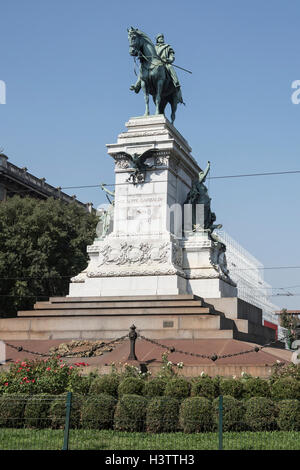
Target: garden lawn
point(49, 439)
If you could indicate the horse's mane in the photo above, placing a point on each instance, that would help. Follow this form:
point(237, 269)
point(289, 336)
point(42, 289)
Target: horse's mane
point(144, 36)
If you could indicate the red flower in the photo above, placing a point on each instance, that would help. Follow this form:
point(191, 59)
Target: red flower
point(6, 384)
point(33, 381)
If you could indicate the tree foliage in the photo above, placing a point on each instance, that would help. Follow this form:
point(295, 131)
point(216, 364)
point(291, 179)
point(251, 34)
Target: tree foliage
point(287, 320)
point(42, 245)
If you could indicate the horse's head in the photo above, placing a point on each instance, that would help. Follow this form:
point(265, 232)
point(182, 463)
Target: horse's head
point(134, 41)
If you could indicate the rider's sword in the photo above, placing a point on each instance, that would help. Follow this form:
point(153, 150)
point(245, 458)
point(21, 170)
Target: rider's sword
point(181, 68)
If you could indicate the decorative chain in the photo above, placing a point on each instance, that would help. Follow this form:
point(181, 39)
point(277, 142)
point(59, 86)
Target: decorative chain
point(172, 349)
point(212, 357)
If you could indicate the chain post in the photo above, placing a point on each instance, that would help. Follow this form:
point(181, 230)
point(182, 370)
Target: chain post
point(67, 421)
point(132, 336)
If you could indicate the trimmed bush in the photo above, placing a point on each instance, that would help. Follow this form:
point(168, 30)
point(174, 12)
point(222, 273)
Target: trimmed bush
point(162, 415)
point(36, 414)
point(233, 414)
point(12, 410)
point(178, 387)
point(130, 414)
point(216, 382)
point(155, 387)
point(203, 387)
point(105, 384)
point(196, 415)
point(231, 387)
point(289, 415)
point(97, 411)
point(260, 414)
point(57, 411)
point(256, 387)
point(286, 388)
point(131, 386)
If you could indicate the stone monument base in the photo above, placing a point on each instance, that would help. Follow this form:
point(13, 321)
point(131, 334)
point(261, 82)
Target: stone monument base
point(137, 265)
point(150, 285)
point(129, 285)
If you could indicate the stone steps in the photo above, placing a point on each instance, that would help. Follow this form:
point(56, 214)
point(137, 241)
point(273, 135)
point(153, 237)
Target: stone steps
point(121, 305)
point(103, 323)
point(155, 316)
point(67, 311)
point(135, 298)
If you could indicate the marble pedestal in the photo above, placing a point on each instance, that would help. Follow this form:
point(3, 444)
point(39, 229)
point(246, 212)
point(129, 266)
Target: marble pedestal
point(147, 252)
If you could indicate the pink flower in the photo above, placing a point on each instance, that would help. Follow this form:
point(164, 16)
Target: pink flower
point(71, 367)
point(6, 384)
point(48, 368)
point(33, 381)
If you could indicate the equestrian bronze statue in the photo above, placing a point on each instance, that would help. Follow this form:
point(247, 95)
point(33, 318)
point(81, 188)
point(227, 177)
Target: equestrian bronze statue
point(157, 76)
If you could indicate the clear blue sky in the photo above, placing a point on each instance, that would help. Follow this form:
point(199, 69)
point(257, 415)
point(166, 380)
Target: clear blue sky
point(68, 71)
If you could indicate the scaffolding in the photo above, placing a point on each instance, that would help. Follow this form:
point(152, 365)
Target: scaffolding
point(248, 273)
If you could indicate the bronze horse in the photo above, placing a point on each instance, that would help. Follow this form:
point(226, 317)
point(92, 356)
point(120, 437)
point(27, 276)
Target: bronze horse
point(154, 77)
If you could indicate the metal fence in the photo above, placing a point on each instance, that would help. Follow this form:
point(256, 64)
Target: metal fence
point(58, 423)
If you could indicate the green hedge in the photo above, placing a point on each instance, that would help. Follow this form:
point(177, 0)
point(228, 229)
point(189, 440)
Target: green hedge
point(162, 415)
point(131, 386)
point(288, 415)
point(97, 411)
point(203, 387)
point(130, 414)
point(286, 388)
point(57, 411)
point(154, 415)
point(155, 387)
point(178, 387)
point(37, 410)
point(196, 415)
point(231, 387)
point(233, 414)
point(105, 384)
point(12, 408)
point(256, 387)
point(261, 414)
